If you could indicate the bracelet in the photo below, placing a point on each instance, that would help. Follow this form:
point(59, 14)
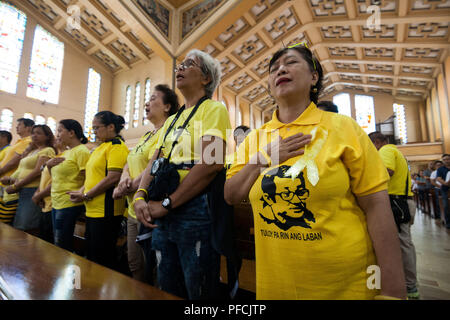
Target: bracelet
point(139, 198)
point(266, 156)
point(143, 190)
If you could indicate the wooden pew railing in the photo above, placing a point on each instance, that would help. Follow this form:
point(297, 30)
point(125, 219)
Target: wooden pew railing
point(33, 269)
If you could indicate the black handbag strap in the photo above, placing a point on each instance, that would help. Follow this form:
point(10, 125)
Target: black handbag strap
point(182, 127)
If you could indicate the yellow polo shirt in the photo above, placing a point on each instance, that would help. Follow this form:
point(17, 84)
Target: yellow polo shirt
point(138, 159)
point(3, 152)
point(69, 176)
point(19, 147)
point(211, 119)
point(393, 159)
point(311, 238)
point(108, 156)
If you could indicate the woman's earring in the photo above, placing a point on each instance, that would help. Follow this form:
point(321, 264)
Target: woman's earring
point(314, 90)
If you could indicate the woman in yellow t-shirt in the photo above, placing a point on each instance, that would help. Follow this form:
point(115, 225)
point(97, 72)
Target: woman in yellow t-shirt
point(318, 191)
point(103, 169)
point(25, 180)
point(68, 173)
point(189, 265)
point(162, 104)
point(42, 199)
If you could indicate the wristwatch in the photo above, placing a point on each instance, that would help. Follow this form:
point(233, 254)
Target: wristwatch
point(167, 203)
point(86, 197)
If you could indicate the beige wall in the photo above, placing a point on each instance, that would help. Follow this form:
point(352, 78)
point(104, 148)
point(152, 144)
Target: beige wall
point(384, 109)
point(158, 72)
point(72, 97)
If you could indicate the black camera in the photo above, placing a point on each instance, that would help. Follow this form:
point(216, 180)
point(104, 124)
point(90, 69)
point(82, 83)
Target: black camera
point(157, 165)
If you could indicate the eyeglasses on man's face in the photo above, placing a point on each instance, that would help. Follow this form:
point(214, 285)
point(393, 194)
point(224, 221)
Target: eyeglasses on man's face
point(188, 63)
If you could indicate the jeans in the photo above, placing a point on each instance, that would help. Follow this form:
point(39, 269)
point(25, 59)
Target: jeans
point(28, 214)
point(64, 221)
point(444, 195)
point(437, 214)
point(46, 227)
point(187, 264)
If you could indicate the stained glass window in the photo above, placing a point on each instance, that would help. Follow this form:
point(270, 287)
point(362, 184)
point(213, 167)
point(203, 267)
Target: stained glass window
point(51, 122)
point(47, 58)
point(40, 119)
point(127, 107)
point(28, 115)
point(342, 101)
point(400, 123)
point(365, 112)
point(12, 33)
point(6, 120)
point(92, 99)
point(146, 99)
point(137, 99)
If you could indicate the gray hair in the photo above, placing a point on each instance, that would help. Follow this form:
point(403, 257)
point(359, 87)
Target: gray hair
point(210, 67)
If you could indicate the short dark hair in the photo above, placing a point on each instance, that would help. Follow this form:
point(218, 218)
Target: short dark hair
point(169, 97)
point(314, 65)
point(108, 117)
point(6, 134)
point(26, 122)
point(445, 155)
point(377, 135)
point(328, 106)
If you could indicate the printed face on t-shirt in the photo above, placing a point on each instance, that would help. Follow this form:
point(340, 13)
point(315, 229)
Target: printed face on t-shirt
point(284, 200)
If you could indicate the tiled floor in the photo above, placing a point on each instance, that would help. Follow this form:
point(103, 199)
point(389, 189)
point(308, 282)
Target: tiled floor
point(432, 242)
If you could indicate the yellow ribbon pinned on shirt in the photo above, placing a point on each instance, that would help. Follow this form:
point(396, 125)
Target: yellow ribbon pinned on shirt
point(307, 159)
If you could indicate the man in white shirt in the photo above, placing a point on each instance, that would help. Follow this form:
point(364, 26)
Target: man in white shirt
point(436, 188)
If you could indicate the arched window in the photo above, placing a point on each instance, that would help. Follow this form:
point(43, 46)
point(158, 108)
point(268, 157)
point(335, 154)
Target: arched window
point(365, 112)
point(12, 33)
point(400, 123)
point(92, 99)
point(28, 115)
point(127, 107)
point(137, 99)
point(146, 98)
point(342, 100)
point(6, 120)
point(51, 122)
point(46, 65)
point(40, 119)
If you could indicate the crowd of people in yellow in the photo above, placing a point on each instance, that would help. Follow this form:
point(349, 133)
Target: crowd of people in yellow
point(321, 216)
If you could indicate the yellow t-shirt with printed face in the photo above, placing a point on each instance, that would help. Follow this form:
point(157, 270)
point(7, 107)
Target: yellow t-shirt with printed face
point(28, 164)
point(393, 159)
point(311, 238)
point(211, 119)
point(69, 176)
point(45, 181)
point(109, 156)
point(138, 159)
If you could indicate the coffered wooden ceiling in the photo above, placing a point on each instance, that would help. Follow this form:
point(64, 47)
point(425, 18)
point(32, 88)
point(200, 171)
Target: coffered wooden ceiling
point(401, 57)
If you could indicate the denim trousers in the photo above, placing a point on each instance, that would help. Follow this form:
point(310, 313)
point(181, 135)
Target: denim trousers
point(437, 193)
point(28, 214)
point(187, 264)
point(64, 221)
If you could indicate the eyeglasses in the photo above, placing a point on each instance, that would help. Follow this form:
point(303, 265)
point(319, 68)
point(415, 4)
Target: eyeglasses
point(186, 64)
point(95, 128)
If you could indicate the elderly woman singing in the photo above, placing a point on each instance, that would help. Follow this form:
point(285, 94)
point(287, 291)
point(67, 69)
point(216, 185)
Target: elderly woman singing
point(172, 195)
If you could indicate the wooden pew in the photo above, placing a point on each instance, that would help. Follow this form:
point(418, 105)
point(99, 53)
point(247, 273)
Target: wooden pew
point(32, 269)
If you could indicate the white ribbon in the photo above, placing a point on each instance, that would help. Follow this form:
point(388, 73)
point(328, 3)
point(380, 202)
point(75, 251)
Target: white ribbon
point(307, 159)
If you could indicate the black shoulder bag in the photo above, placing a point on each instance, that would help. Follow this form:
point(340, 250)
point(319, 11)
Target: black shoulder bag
point(165, 174)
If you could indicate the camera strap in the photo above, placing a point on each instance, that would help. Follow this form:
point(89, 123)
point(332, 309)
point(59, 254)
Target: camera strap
point(180, 129)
